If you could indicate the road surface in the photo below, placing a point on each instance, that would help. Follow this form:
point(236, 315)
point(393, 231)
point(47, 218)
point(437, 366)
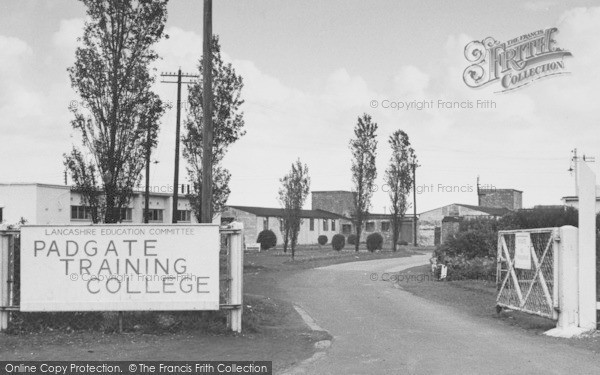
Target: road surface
point(379, 329)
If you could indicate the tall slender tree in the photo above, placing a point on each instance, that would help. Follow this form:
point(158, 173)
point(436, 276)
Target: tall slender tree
point(398, 177)
point(228, 127)
point(364, 170)
point(112, 76)
point(294, 190)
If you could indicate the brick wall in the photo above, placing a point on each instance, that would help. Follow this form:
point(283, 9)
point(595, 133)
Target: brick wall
point(339, 202)
point(501, 198)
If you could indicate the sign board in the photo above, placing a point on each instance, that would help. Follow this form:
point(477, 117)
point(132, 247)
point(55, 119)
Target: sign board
point(120, 267)
point(523, 251)
point(253, 247)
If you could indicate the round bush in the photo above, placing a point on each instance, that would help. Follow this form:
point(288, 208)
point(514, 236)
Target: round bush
point(267, 239)
point(338, 242)
point(374, 242)
point(352, 239)
point(322, 240)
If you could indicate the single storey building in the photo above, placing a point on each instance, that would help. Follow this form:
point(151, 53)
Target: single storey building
point(39, 203)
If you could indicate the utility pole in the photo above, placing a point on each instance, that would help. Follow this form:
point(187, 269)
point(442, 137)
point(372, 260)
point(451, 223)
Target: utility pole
point(66, 182)
point(207, 129)
point(147, 192)
point(179, 75)
point(414, 170)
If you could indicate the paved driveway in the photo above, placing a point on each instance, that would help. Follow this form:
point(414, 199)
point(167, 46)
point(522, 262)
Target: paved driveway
point(379, 329)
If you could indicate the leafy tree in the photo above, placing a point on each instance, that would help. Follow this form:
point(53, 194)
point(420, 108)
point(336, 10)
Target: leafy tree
point(228, 124)
point(294, 190)
point(111, 75)
point(364, 170)
point(399, 179)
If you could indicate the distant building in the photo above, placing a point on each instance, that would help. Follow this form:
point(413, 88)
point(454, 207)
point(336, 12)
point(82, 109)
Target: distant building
point(501, 198)
point(331, 213)
point(573, 201)
point(257, 219)
point(59, 204)
point(431, 222)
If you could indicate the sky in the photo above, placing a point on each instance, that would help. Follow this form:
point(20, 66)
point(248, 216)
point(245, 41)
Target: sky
point(310, 69)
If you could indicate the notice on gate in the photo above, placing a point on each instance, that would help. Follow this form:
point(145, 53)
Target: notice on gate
point(523, 251)
point(120, 267)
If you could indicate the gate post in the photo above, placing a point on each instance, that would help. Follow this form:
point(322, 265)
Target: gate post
point(4, 285)
point(236, 276)
point(586, 193)
point(565, 249)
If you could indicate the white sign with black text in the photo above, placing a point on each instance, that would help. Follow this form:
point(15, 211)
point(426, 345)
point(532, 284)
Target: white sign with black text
point(523, 251)
point(120, 267)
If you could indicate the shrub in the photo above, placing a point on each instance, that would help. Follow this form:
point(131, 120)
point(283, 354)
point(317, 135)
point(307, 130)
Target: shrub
point(470, 244)
point(338, 242)
point(322, 240)
point(374, 242)
point(352, 239)
point(267, 239)
point(541, 217)
point(479, 268)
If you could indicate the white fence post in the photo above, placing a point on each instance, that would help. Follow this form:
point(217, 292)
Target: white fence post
point(4, 285)
point(566, 251)
point(236, 277)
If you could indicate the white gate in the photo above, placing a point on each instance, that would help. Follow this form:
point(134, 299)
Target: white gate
point(532, 290)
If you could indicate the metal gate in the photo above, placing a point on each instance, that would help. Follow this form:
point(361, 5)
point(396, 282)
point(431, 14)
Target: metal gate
point(532, 290)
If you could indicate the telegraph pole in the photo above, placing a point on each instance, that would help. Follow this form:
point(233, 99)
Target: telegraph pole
point(414, 170)
point(207, 129)
point(147, 192)
point(179, 75)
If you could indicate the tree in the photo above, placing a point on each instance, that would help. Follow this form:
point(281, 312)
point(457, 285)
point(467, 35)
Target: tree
point(294, 190)
point(364, 170)
point(111, 75)
point(228, 124)
point(398, 178)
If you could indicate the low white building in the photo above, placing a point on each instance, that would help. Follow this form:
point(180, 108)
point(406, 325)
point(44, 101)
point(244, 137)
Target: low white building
point(573, 201)
point(39, 203)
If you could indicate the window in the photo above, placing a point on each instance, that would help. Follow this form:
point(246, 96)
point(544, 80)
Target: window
point(385, 226)
point(325, 224)
point(184, 216)
point(346, 228)
point(81, 213)
point(312, 224)
point(155, 214)
point(370, 226)
point(333, 225)
point(123, 214)
point(265, 223)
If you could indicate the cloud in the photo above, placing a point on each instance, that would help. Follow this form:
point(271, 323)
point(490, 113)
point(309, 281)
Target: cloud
point(65, 39)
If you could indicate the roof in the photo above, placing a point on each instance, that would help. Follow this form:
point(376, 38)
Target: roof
point(278, 212)
point(371, 216)
point(332, 191)
point(494, 211)
point(486, 190)
point(72, 188)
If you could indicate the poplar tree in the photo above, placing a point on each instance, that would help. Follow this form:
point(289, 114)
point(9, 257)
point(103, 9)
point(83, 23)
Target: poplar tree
point(112, 76)
point(364, 170)
point(399, 179)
